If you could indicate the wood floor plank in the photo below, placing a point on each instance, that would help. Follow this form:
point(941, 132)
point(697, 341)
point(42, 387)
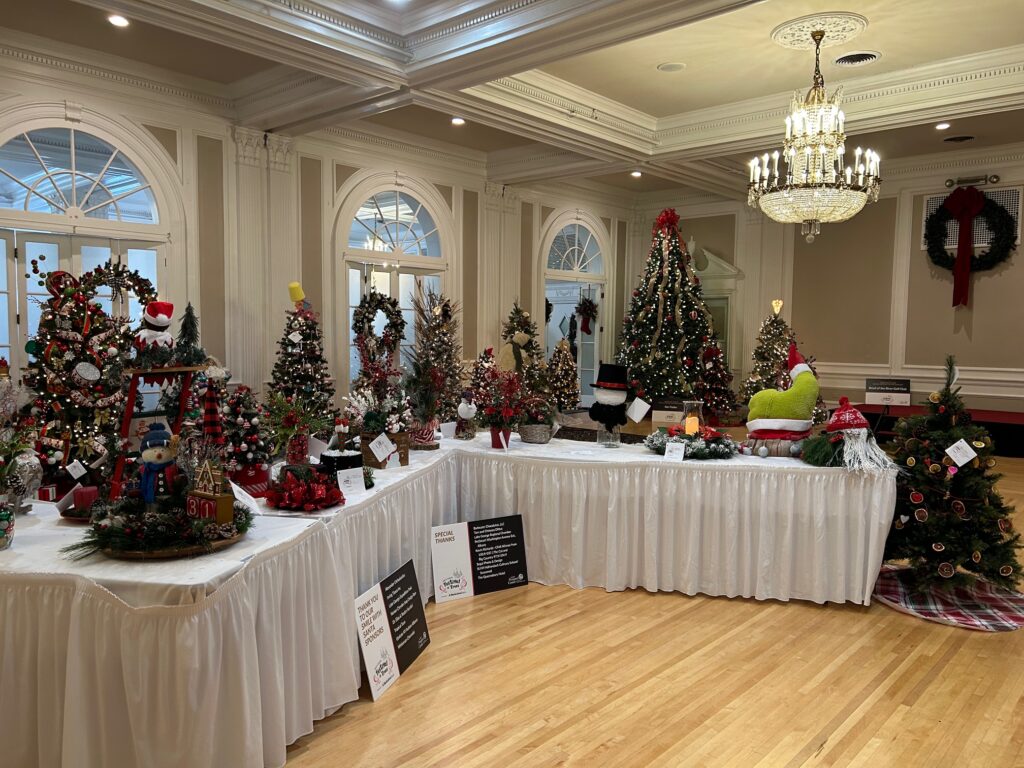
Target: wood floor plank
point(551, 676)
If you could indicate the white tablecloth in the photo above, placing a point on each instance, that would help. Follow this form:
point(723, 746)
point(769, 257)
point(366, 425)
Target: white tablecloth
point(223, 660)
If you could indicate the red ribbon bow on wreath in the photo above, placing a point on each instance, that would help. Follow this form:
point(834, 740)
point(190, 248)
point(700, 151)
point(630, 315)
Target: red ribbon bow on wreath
point(965, 203)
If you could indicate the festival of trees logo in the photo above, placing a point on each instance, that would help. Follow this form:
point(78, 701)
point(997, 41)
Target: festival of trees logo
point(384, 669)
point(453, 584)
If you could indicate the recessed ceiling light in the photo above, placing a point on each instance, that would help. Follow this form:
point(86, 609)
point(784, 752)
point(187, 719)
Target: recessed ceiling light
point(942, 127)
point(635, 174)
point(671, 66)
point(458, 121)
point(117, 20)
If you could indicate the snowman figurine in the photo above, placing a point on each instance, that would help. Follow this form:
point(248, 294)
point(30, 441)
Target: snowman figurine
point(610, 392)
point(160, 476)
point(464, 426)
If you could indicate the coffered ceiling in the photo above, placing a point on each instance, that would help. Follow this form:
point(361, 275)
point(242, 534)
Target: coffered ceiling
point(564, 89)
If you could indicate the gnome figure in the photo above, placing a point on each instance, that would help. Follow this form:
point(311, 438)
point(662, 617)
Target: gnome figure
point(847, 442)
point(159, 471)
point(610, 391)
point(155, 323)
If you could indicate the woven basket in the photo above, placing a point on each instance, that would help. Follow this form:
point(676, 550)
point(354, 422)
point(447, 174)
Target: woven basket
point(535, 433)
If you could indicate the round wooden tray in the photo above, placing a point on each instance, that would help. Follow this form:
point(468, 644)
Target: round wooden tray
point(169, 553)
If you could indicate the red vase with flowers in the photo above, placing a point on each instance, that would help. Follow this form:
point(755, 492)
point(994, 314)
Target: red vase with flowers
point(501, 405)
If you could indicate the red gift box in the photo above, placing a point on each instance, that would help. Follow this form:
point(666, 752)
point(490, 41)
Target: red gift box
point(47, 493)
point(85, 497)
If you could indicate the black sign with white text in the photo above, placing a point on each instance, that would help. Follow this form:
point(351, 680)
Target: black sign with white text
point(404, 609)
point(497, 552)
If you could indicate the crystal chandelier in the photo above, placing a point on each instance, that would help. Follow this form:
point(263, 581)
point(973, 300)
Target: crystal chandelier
point(815, 185)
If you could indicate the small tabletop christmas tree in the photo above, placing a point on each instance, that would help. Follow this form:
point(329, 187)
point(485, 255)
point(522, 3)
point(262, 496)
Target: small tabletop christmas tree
point(949, 520)
point(563, 377)
point(770, 356)
point(248, 440)
point(668, 325)
point(434, 379)
point(188, 351)
point(478, 373)
point(301, 370)
point(715, 391)
point(522, 352)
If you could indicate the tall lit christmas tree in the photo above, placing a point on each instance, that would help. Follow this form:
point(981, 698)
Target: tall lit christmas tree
point(949, 519)
point(770, 356)
point(716, 390)
point(301, 369)
point(434, 380)
point(668, 325)
point(563, 378)
point(75, 368)
point(529, 356)
point(478, 373)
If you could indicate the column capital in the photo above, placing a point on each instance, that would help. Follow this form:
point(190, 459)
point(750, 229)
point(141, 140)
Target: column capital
point(279, 152)
point(249, 145)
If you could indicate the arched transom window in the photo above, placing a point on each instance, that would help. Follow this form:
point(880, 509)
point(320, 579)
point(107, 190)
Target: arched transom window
point(71, 173)
point(575, 249)
point(395, 222)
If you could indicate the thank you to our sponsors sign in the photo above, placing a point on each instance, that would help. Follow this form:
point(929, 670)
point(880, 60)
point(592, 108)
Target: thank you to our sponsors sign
point(392, 627)
point(478, 557)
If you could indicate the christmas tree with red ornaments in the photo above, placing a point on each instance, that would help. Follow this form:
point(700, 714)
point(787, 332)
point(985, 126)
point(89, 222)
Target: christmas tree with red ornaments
point(247, 440)
point(668, 330)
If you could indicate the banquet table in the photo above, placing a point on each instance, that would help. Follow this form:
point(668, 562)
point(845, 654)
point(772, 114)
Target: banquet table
point(228, 658)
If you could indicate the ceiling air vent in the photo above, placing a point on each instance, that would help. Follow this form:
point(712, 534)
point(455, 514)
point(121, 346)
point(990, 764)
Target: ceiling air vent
point(857, 58)
point(959, 139)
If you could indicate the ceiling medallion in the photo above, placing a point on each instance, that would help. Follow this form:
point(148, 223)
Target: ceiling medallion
point(839, 27)
point(815, 184)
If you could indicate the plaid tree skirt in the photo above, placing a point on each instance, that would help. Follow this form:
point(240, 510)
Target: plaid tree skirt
point(981, 605)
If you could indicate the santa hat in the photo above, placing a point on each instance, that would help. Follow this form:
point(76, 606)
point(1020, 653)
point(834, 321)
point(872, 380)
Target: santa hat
point(846, 417)
point(796, 363)
point(158, 313)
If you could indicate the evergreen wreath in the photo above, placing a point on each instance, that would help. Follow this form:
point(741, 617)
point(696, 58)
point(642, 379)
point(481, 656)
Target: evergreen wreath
point(118, 277)
point(364, 315)
point(1000, 223)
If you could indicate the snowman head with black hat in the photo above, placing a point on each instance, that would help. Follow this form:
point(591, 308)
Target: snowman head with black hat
point(610, 392)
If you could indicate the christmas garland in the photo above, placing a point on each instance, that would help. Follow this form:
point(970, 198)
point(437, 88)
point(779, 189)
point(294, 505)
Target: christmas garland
point(704, 444)
point(364, 315)
point(999, 222)
point(118, 277)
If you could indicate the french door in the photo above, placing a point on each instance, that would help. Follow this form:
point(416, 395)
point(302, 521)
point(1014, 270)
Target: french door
point(564, 295)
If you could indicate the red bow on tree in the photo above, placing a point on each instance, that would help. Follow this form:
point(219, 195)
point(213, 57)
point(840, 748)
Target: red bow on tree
point(964, 204)
point(667, 219)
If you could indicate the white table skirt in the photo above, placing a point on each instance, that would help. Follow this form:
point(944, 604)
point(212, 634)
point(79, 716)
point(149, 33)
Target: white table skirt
point(226, 659)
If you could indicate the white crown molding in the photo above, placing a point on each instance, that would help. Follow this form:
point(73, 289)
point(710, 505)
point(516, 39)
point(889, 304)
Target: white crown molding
point(396, 142)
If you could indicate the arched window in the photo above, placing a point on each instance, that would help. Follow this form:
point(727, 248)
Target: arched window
point(395, 222)
point(73, 174)
point(575, 249)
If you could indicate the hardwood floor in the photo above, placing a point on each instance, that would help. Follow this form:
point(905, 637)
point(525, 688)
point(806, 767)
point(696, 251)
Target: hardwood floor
point(552, 676)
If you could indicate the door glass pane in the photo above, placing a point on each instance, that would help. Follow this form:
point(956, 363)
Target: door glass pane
point(381, 282)
point(143, 261)
point(48, 256)
point(5, 331)
point(94, 256)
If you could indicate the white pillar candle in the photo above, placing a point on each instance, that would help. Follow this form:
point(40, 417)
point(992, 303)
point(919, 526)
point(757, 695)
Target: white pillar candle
point(775, 164)
point(789, 127)
point(842, 120)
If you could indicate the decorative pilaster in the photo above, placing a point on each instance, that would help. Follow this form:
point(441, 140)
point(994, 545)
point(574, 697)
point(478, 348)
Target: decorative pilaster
point(282, 221)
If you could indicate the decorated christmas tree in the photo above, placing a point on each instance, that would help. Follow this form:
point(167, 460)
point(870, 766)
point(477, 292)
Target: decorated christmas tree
point(770, 357)
point(247, 437)
point(668, 326)
point(563, 378)
point(478, 374)
point(187, 350)
point(522, 352)
point(715, 391)
point(75, 370)
point(301, 370)
point(949, 520)
point(434, 379)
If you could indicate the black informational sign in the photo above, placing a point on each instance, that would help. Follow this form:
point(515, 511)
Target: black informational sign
point(497, 553)
point(404, 609)
point(887, 391)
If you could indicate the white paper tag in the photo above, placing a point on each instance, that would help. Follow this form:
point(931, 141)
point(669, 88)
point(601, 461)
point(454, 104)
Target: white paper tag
point(554, 428)
point(75, 469)
point(675, 451)
point(638, 409)
point(351, 481)
point(316, 447)
point(504, 442)
point(394, 462)
point(295, 336)
point(64, 504)
point(245, 497)
point(448, 429)
point(382, 446)
point(961, 452)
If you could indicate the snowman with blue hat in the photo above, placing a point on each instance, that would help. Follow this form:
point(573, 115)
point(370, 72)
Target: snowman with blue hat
point(158, 455)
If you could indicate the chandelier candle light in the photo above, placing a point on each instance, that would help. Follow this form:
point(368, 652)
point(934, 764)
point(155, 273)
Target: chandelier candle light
point(816, 184)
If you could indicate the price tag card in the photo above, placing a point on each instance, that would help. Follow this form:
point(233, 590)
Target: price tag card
point(382, 447)
point(350, 481)
point(295, 336)
point(961, 452)
point(675, 451)
point(76, 469)
point(245, 497)
point(448, 430)
point(638, 409)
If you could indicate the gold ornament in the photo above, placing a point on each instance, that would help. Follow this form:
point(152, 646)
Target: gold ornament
point(935, 468)
point(911, 461)
point(990, 463)
point(947, 461)
point(978, 444)
point(934, 397)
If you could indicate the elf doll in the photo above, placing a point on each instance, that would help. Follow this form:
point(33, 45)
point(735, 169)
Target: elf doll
point(155, 323)
point(159, 477)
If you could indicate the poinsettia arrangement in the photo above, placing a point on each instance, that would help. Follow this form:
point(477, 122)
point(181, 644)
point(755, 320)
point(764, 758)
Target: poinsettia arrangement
point(501, 401)
point(303, 489)
point(378, 402)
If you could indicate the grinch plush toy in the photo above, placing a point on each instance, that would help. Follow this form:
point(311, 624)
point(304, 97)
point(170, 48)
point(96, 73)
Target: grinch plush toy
point(780, 419)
